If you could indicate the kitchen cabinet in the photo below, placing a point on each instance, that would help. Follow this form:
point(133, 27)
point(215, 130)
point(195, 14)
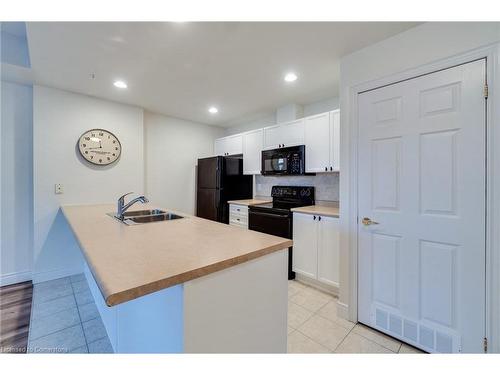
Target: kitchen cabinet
point(319, 133)
point(238, 215)
point(284, 135)
point(305, 245)
point(252, 151)
point(335, 140)
point(316, 247)
point(232, 145)
point(322, 141)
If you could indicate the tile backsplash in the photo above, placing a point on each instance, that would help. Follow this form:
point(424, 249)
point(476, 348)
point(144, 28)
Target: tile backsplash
point(326, 185)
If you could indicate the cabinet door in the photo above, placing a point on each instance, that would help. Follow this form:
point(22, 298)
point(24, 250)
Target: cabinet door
point(317, 141)
point(328, 250)
point(292, 133)
point(220, 146)
point(234, 144)
point(335, 140)
point(305, 245)
point(272, 137)
point(252, 151)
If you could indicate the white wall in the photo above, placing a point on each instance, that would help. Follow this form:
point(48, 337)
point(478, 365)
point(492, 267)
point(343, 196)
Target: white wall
point(172, 147)
point(413, 48)
point(60, 118)
point(285, 113)
point(16, 183)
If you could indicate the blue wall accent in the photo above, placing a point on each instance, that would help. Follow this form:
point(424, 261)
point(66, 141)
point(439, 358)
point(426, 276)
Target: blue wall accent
point(14, 44)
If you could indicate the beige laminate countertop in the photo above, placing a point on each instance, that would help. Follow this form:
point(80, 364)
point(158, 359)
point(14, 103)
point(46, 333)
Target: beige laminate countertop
point(332, 211)
point(250, 202)
point(128, 262)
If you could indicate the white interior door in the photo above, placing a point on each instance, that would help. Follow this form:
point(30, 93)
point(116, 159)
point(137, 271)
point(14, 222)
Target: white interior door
point(421, 269)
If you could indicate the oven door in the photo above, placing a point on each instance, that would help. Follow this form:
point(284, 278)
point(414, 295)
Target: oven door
point(274, 162)
point(276, 224)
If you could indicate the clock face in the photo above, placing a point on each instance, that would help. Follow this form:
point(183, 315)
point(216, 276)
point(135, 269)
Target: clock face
point(99, 146)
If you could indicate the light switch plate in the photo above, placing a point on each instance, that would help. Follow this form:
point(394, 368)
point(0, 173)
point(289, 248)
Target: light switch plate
point(59, 189)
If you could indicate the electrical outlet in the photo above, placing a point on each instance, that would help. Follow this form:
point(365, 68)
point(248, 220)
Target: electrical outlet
point(59, 189)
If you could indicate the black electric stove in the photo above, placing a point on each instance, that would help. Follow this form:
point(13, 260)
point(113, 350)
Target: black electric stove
point(276, 218)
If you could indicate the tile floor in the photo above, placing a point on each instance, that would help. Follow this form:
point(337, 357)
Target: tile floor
point(315, 327)
point(64, 319)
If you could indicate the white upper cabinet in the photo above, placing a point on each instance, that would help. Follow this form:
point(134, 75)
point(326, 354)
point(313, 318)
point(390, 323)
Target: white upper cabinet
point(232, 145)
point(322, 140)
point(319, 133)
point(284, 135)
point(335, 140)
point(252, 151)
point(317, 141)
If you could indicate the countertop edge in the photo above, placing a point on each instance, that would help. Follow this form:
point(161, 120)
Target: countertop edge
point(125, 296)
point(321, 210)
point(249, 202)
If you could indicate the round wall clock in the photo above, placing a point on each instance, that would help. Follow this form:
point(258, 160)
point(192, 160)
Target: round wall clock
point(99, 146)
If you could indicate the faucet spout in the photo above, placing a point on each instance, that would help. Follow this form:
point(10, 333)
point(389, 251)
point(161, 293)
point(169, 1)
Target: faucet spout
point(122, 207)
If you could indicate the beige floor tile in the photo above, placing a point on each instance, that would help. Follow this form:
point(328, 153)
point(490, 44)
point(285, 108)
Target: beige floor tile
point(329, 311)
point(354, 343)
point(297, 315)
point(407, 349)
point(294, 287)
point(311, 299)
point(324, 331)
point(298, 343)
point(290, 330)
point(378, 337)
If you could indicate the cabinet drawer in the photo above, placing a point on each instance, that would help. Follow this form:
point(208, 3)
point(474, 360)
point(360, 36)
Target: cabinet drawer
point(238, 210)
point(238, 223)
point(238, 219)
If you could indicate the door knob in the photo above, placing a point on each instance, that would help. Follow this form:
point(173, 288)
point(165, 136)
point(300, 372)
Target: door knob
point(368, 221)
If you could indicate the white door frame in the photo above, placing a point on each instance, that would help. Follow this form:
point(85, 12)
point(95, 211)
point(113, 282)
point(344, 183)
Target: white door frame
point(492, 55)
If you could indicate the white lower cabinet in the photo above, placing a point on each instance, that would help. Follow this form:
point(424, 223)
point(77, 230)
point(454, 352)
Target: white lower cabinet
point(238, 215)
point(316, 247)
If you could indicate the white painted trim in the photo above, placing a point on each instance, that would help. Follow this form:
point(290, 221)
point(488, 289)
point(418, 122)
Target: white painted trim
point(324, 287)
point(491, 53)
point(40, 277)
point(15, 277)
point(342, 310)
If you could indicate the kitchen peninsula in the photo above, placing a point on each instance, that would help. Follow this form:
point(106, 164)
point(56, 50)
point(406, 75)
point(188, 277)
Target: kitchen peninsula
point(184, 285)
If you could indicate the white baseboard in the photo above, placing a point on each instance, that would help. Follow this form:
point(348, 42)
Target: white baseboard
point(15, 277)
point(343, 310)
point(40, 277)
point(330, 289)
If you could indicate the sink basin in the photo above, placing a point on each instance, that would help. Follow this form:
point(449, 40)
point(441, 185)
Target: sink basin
point(145, 216)
point(152, 218)
point(144, 212)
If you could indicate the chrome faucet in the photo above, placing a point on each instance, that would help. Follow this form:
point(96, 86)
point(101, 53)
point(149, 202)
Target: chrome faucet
point(122, 207)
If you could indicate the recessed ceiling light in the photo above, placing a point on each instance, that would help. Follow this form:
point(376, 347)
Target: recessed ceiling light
point(120, 84)
point(290, 77)
point(213, 110)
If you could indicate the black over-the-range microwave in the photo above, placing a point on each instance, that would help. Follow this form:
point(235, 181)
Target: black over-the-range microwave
point(284, 161)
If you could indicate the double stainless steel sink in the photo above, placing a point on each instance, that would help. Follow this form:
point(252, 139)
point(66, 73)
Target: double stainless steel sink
point(144, 216)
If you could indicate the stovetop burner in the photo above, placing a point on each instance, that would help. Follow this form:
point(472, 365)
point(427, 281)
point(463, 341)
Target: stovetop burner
point(287, 197)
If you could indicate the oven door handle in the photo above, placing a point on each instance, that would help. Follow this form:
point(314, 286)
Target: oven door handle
point(269, 214)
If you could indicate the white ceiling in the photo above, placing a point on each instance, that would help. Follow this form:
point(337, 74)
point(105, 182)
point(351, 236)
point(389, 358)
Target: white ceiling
point(180, 69)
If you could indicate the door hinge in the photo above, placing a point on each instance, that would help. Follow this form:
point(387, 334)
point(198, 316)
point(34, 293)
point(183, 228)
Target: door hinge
point(485, 91)
point(485, 345)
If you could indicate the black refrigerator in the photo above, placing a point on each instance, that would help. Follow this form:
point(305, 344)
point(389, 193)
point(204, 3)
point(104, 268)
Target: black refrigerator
point(220, 179)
